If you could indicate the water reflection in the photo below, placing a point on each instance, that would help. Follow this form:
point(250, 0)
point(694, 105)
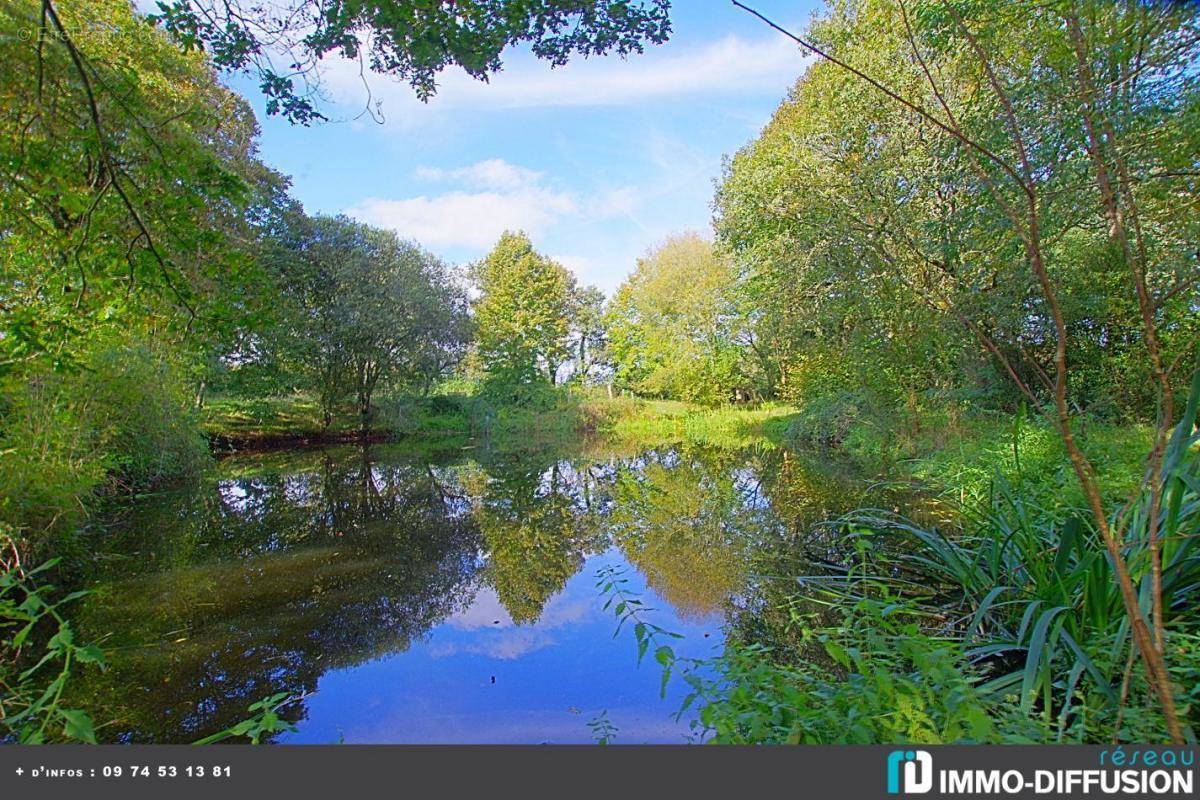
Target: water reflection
point(434, 599)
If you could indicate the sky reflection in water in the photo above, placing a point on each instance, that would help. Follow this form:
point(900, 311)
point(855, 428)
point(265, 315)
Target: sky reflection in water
point(434, 599)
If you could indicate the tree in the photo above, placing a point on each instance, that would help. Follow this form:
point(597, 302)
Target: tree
point(128, 190)
point(406, 39)
point(1029, 174)
point(672, 324)
point(523, 314)
point(365, 309)
point(589, 341)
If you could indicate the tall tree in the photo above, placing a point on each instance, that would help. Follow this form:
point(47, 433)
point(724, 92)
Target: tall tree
point(673, 331)
point(589, 341)
point(129, 180)
point(523, 314)
point(1029, 174)
point(365, 309)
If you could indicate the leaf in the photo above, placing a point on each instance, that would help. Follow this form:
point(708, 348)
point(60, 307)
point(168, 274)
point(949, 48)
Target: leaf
point(664, 655)
point(1033, 660)
point(837, 653)
point(78, 725)
point(22, 635)
point(64, 638)
point(89, 655)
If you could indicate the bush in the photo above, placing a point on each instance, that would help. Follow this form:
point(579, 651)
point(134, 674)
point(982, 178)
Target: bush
point(883, 680)
point(144, 416)
point(122, 420)
point(51, 461)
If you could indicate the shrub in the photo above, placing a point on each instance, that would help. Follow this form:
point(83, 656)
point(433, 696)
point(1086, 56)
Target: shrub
point(883, 680)
point(122, 420)
point(51, 461)
point(144, 416)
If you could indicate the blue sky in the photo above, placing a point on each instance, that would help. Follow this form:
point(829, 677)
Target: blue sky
point(598, 161)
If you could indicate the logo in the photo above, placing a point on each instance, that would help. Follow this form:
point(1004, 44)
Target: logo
point(916, 777)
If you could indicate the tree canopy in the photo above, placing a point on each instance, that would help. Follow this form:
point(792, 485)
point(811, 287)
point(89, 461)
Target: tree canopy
point(408, 39)
point(130, 187)
point(523, 314)
point(673, 325)
point(363, 308)
point(887, 244)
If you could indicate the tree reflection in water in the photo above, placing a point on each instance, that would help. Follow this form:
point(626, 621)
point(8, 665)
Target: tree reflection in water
point(286, 567)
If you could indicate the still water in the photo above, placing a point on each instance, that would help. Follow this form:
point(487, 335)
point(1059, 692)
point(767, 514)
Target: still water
point(446, 597)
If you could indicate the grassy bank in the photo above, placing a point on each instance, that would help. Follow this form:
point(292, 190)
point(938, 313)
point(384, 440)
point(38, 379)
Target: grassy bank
point(533, 420)
point(962, 456)
point(959, 456)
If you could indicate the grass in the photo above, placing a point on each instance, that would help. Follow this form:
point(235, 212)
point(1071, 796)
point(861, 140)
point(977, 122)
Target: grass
point(960, 455)
point(1030, 456)
point(264, 417)
point(551, 418)
point(658, 421)
point(957, 456)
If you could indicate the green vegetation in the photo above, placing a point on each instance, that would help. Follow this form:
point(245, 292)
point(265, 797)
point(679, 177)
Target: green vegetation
point(673, 328)
point(966, 209)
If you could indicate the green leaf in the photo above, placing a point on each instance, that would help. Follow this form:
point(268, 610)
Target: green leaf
point(89, 655)
point(664, 655)
point(78, 725)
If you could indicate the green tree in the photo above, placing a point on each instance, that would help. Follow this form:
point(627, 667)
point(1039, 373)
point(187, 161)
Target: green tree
point(1028, 176)
point(523, 314)
point(672, 326)
point(589, 341)
point(128, 185)
point(364, 309)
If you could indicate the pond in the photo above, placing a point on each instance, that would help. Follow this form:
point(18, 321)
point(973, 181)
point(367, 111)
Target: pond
point(408, 597)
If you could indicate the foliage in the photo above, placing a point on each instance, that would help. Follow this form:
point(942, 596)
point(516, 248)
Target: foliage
point(361, 309)
point(1033, 592)
point(871, 675)
point(32, 709)
point(603, 729)
point(673, 330)
point(130, 189)
point(264, 721)
point(996, 182)
point(124, 420)
point(522, 315)
point(144, 415)
point(651, 422)
point(876, 247)
point(589, 336)
point(410, 40)
point(881, 680)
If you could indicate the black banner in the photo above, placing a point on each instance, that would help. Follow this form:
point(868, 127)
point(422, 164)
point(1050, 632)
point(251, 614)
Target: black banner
point(180, 772)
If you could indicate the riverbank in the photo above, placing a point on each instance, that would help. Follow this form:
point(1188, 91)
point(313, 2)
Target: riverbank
point(544, 419)
point(959, 456)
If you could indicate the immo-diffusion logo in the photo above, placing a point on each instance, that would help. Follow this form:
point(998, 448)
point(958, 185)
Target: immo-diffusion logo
point(909, 772)
point(1140, 771)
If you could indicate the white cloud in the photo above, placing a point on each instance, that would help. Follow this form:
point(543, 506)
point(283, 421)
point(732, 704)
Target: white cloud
point(509, 197)
point(464, 219)
point(731, 65)
point(622, 201)
point(494, 173)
